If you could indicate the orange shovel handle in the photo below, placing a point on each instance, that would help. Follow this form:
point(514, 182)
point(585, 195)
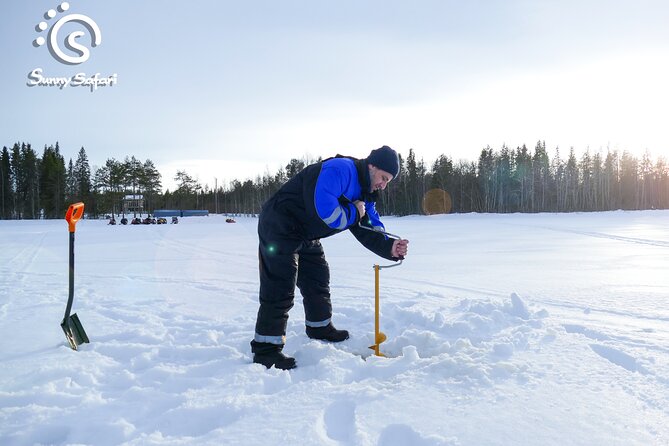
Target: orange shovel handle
point(74, 214)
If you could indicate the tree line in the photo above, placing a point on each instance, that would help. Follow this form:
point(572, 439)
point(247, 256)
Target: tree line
point(500, 181)
point(42, 187)
point(520, 180)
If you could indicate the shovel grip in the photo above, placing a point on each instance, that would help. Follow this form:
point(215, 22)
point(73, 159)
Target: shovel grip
point(74, 214)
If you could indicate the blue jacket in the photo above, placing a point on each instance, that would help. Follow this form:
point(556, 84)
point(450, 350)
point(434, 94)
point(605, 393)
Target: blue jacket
point(337, 187)
point(318, 202)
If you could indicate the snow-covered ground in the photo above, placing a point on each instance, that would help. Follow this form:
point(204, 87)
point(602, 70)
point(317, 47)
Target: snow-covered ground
point(505, 330)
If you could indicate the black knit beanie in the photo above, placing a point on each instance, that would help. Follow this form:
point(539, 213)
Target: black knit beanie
point(386, 159)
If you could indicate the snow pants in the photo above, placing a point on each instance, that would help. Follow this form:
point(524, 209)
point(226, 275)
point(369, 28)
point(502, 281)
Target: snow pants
point(287, 260)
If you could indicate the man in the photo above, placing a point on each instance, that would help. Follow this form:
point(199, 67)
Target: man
point(322, 200)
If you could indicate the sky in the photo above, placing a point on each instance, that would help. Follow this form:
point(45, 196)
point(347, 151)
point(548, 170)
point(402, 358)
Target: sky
point(231, 90)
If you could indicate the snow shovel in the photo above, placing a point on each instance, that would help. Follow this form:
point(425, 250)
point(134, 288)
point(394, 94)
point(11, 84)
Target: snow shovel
point(379, 336)
point(74, 331)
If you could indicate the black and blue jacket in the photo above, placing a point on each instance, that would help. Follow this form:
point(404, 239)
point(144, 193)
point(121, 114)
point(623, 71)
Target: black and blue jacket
point(318, 202)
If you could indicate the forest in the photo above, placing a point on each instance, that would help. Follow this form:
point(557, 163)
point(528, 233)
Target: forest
point(34, 186)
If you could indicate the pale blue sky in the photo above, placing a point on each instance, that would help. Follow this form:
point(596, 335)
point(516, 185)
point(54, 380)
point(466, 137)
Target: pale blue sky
point(231, 89)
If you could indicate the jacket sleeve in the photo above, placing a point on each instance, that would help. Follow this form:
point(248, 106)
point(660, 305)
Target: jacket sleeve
point(332, 207)
point(378, 243)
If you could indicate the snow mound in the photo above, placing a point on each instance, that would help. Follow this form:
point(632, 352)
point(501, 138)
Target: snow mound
point(473, 342)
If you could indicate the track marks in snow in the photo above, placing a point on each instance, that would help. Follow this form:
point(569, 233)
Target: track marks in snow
point(636, 355)
point(641, 241)
point(27, 256)
point(210, 284)
point(202, 249)
point(619, 358)
point(592, 334)
point(620, 238)
point(441, 286)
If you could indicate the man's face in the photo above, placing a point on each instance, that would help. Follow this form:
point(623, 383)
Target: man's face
point(379, 179)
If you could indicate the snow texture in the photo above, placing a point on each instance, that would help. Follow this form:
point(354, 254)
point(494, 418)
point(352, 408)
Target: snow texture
point(537, 329)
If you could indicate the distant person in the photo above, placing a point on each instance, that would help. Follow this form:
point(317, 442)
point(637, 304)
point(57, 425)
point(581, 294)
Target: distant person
point(322, 200)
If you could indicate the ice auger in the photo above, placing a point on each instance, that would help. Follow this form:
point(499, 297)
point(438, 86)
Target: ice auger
point(379, 336)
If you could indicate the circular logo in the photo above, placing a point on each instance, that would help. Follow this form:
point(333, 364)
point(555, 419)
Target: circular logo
point(78, 53)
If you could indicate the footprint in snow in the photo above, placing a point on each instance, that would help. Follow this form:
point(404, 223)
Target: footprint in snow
point(339, 420)
point(402, 435)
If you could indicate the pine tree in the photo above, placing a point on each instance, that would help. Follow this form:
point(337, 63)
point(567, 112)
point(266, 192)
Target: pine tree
point(82, 177)
point(571, 182)
point(109, 180)
point(465, 191)
point(412, 184)
point(523, 179)
point(150, 183)
point(486, 178)
point(662, 172)
point(586, 186)
point(611, 195)
point(597, 182)
point(646, 180)
point(26, 165)
point(294, 167)
point(101, 190)
point(541, 179)
point(133, 173)
point(629, 181)
point(188, 187)
point(6, 185)
point(71, 184)
point(442, 173)
point(15, 165)
point(52, 183)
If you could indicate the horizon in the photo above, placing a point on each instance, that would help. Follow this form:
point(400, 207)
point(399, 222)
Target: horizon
point(224, 182)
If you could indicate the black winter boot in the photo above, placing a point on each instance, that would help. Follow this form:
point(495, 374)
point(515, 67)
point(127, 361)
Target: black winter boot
point(327, 333)
point(270, 355)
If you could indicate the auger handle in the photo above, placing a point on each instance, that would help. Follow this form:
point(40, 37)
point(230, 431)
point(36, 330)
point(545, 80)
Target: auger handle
point(380, 231)
point(398, 263)
point(387, 234)
point(74, 214)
